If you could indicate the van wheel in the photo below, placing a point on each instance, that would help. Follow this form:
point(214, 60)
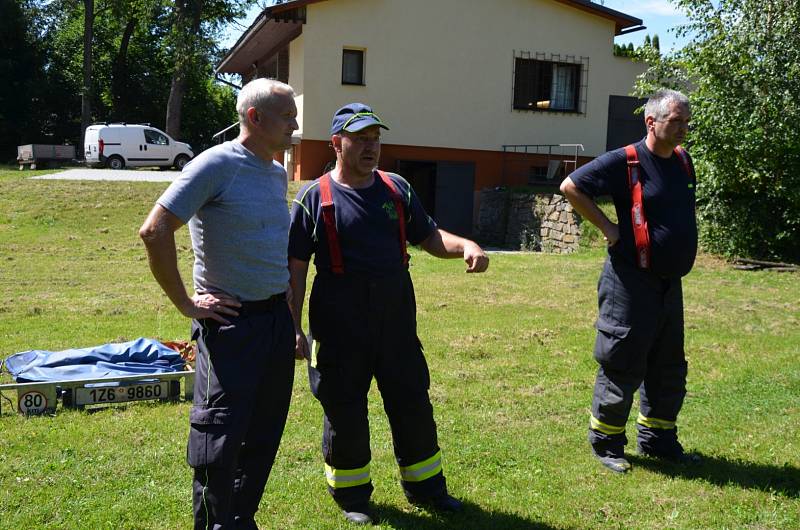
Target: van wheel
point(116, 162)
point(181, 161)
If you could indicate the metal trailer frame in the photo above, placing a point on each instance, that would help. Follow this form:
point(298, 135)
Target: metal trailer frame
point(34, 154)
point(49, 390)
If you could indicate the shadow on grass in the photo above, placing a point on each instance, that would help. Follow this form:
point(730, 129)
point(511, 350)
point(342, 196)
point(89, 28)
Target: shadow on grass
point(784, 480)
point(473, 517)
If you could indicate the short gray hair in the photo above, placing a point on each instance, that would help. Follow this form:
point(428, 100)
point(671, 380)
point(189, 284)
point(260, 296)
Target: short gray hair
point(260, 93)
point(659, 103)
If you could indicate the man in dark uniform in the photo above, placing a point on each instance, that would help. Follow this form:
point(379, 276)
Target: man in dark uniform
point(233, 196)
point(639, 342)
point(356, 221)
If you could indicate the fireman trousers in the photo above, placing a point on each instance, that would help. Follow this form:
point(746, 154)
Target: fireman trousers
point(243, 385)
point(639, 345)
point(365, 327)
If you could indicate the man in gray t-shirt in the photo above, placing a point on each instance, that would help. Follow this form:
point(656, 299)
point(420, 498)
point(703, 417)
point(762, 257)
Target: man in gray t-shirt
point(233, 197)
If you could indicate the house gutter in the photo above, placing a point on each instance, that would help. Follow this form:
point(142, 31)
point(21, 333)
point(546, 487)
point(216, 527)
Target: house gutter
point(630, 30)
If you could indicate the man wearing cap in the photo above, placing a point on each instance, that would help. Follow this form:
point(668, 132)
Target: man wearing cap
point(356, 221)
point(639, 343)
point(233, 196)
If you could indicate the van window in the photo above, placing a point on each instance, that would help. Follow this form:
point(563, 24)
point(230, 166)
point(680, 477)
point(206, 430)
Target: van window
point(155, 137)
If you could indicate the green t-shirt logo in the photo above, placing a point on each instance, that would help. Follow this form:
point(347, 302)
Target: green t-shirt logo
point(390, 210)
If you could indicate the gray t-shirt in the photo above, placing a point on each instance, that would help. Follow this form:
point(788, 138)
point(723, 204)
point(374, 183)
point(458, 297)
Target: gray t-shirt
point(235, 205)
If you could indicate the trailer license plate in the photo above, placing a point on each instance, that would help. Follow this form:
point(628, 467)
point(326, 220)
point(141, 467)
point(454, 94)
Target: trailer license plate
point(121, 394)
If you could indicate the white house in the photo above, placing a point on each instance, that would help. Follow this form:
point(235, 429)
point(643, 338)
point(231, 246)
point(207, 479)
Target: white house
point(467, 86)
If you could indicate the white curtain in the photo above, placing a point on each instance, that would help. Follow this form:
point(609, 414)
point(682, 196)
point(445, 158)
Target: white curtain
point(562, 92)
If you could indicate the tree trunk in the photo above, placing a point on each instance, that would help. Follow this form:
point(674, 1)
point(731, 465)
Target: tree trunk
point(175, 102)
point(86, 88)
point(187, 23)
point(120, 89)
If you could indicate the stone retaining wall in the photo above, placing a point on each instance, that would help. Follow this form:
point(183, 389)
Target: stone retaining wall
point(492, 217)
point(527, 221)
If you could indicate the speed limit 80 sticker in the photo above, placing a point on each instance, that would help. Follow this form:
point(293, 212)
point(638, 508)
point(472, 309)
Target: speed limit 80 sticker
point(32, 402)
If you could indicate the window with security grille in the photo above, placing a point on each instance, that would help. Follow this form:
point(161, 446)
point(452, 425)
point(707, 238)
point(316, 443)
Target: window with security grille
point(353, 67)
point(546, 85)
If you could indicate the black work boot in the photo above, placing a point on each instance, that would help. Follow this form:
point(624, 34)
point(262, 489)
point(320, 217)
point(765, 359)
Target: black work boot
point(663, 444)
point(675, 454)
point(616, 462)
point(360, 514)
point(441, 502)
point(610, 450)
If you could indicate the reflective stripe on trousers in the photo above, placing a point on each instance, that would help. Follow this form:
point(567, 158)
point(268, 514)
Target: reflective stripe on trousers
point(346, 478)
point(422, 470)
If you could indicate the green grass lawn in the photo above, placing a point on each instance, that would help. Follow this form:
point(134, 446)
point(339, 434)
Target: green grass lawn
point(512, 375)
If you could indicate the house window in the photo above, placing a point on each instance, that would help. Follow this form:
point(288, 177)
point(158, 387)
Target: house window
point(546, 85)
point(353, 67)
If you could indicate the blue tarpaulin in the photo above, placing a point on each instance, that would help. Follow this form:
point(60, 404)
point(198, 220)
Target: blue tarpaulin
point(140, 356)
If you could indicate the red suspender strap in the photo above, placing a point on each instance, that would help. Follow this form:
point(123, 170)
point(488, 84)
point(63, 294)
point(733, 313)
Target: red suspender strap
point(640, 233)
point(329, 217)
point(401, 213)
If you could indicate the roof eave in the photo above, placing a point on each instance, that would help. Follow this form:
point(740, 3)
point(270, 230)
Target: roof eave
point(260, 20)
point(622, 21)
point(288, 6)
point(269, 13)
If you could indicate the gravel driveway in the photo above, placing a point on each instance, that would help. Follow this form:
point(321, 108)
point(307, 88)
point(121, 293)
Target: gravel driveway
point(122, 175)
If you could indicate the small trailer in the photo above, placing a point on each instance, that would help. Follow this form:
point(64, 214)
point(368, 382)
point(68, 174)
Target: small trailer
point(36, 154)
point(42, 397)
point(136, 370)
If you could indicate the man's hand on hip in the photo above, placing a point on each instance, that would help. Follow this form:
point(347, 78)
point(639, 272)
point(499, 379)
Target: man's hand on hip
point(212, 306)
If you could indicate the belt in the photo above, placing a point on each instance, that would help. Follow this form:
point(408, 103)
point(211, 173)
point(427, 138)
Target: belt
point(261, 306)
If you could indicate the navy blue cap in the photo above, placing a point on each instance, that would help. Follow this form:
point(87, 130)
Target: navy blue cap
point(354, 117)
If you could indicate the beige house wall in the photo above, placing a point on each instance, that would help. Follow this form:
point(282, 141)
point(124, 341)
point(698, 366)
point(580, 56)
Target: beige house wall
point(297, 72)
point(627, 70)
point(441, 72)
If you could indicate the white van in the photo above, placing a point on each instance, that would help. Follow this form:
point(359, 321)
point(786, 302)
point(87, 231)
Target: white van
point(117, 145)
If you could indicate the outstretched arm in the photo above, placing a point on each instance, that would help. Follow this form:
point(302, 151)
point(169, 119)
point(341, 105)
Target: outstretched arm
point(443, 244)
point(158, 234)
point(589, 210)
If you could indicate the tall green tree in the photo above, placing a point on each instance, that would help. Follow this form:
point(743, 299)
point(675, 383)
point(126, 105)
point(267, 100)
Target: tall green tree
point(22, 65)
point(132, 58)
point(86, 87)
point(74, 66)
point(196, 25)
point(135, 19)
point(741, 70)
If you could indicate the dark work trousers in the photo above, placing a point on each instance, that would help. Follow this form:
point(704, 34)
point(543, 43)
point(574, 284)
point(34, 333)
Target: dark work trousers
point(364, 328)
point(639, 345)
point(243, 385)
